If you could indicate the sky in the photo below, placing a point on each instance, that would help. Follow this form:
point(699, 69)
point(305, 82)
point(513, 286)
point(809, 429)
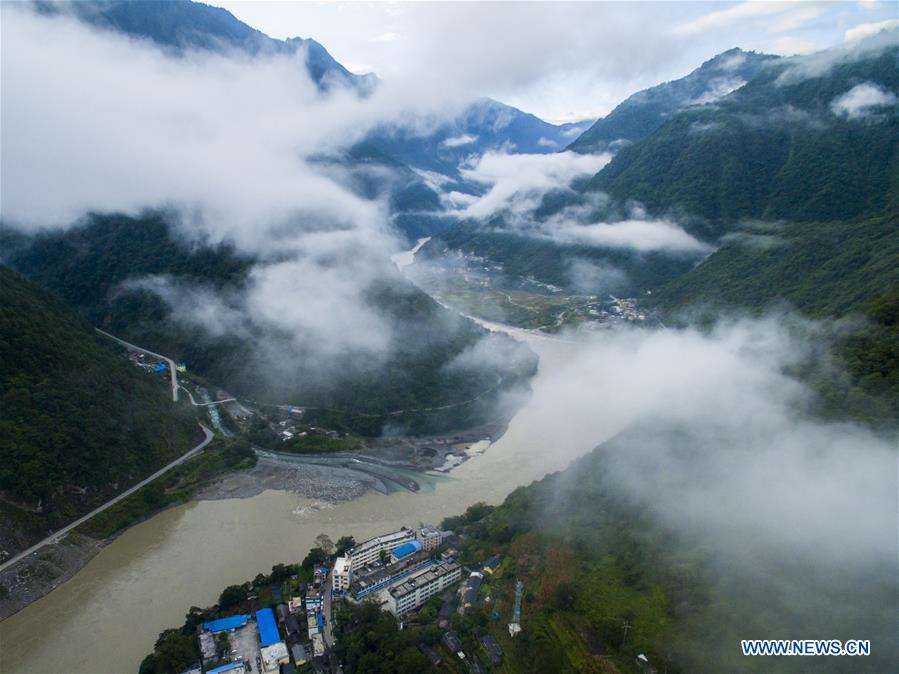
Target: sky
point(560, 61)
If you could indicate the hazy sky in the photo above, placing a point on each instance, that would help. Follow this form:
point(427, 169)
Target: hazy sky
point(561, 61)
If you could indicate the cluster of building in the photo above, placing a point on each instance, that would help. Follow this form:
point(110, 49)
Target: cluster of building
point(615, 310)
point(151, 364)
point(399, 571)
point(396, 570)
point(243, 643)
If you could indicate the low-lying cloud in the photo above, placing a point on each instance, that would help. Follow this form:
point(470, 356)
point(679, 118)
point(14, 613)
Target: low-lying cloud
point(639, 235)
point(862, 100)
point(233, 148)
point(518, 183)
point(720, 446)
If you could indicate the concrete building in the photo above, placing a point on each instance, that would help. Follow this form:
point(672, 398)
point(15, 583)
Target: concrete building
point(370, 551)
point(417, 588)
point(429, 537)
point(403, 551)
point(230, 668)
point(341, 575)
point(273, 657)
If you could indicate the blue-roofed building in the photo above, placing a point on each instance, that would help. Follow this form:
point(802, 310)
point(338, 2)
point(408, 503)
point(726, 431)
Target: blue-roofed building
point(230, 667)
point(405, 550)
point(268, 628)
point(229, 623)
point(160, 367)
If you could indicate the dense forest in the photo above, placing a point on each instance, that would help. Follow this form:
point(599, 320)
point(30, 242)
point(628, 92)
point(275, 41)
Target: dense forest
point(89, 265)
point(774, 149)
point(78, 422)
point(642, 113)
point(825, 270)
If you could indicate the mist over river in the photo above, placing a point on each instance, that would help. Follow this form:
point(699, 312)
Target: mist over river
point(108, 616)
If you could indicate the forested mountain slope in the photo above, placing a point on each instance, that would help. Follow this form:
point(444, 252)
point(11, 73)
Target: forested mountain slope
point(789, 145)
point(641, 114)
point(78, 422)
point(181, 26)
point(91, 267)
point(617, 578)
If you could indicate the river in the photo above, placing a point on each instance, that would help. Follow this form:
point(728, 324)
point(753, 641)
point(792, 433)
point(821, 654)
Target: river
point(107, 617)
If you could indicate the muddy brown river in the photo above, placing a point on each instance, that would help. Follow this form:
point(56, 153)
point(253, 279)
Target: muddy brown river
point(108, 616)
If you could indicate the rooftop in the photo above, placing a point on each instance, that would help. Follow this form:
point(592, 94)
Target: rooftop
point(377, 540)
point(268, 630)
point(229, 623)
point(406, 549)
point(423, 577)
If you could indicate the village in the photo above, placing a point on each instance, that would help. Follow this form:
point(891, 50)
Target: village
point(282, 625)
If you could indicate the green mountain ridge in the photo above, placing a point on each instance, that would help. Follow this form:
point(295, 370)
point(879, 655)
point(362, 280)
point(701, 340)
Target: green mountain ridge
point(78, 422)
point(642, 113)
point(90, 267)
point(771, 150)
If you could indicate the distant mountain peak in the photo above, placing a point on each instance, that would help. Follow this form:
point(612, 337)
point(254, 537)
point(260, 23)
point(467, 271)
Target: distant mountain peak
point(641, 114)
point(179, 26)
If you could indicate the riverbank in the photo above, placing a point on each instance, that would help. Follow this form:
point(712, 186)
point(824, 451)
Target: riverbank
point(335, 479)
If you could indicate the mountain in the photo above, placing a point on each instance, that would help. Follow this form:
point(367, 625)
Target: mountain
point(179, 26)
point(641, 114)
point(92, 267)
point(784, 146)
point(78, 422)
point(482, 126)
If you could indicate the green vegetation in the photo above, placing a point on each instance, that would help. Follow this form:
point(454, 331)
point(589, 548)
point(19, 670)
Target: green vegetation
point(563, 265)
point(772, 150)
point(78, 422)
point(824, 270)
point(177, 649)
point(368, 640)
point(88, 266)
point(173, 488)
point(641, 114)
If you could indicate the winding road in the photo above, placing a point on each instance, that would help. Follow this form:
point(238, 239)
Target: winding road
point(171, 363)
point(57, 535)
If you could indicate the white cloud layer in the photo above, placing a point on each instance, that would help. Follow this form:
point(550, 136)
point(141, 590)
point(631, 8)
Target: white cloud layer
point(517, 183)
point(775, 480)
point(641, 235)
point(861, 100)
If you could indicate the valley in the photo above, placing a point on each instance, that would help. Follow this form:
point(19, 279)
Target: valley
point(488, 338)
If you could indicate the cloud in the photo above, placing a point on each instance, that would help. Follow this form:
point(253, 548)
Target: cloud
point(810, 66)
point(718, 88)
point(593, 278)
point(861, 100)
point(790, 46)
point(222, 138)
point(790, 15)
point(230, 148)
point(864, 30)
point(517, 183)
point(641, 235)
point(459, 141)
point(719, 450)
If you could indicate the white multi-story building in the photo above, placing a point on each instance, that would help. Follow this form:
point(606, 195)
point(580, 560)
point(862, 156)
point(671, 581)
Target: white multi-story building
point(364, 554)
point(370, 551)
point(429, 537)
point(341, 575)
point(415, 590)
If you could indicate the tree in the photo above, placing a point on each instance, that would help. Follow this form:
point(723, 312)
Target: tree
point(232, 595)
point(325, 543)
point(316, 556)
point(344, 543)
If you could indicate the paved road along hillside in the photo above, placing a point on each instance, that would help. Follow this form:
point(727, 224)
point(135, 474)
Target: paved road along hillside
point(57, 535)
